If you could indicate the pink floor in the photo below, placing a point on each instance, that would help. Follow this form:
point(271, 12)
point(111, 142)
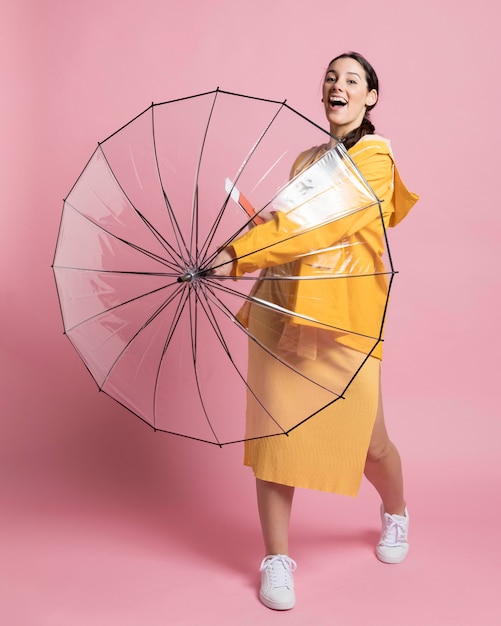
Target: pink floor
point(146, 529)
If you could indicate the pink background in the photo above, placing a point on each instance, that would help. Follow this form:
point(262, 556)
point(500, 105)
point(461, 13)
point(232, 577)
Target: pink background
point(104, 522)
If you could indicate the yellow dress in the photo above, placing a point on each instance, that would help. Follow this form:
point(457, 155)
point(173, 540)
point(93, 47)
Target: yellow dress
point(327, 452)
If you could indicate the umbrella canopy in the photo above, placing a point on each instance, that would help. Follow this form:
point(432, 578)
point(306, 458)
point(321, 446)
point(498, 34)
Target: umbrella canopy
point(157, 330)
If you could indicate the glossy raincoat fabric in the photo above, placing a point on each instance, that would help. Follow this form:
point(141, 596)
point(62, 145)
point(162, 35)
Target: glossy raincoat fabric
point(351, 245)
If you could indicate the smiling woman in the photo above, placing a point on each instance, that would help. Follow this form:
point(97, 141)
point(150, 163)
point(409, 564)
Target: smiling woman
point(333, 449)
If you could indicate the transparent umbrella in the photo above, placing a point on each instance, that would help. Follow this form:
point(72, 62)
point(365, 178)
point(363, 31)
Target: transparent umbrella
point(158, 331)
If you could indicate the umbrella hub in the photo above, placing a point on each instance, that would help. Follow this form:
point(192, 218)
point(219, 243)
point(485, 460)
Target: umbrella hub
point(189, 276)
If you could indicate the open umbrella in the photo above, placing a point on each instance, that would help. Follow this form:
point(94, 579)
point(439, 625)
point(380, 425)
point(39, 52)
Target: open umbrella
point(157, 330)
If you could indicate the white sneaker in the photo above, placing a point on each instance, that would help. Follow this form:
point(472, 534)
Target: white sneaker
point(393, 544)
point(277, 583)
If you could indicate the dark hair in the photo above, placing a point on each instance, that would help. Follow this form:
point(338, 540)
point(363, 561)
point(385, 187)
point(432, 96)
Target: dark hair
point(366, 127)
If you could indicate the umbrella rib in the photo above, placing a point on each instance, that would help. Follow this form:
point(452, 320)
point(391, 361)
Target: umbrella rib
point(194, 234)
point(193, 330)
point(385, 310)
point(379, 202)
point(118, 272)
point(354, 375)
point(294, 278)
point(153, 316)
point(118, 306)
point(175, 321)
point(276, 308)
point(181, 243)
point(158, 236)
point(151, 255)
point(217, 330)
point(212, 232)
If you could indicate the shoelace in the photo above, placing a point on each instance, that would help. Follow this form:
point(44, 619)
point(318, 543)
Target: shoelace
point(279, 568)
point(395, 530)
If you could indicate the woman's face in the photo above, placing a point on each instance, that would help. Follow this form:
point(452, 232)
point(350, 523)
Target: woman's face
point(346, 96)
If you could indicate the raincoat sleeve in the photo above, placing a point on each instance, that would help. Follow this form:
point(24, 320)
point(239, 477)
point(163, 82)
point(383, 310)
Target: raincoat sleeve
point(279, 241)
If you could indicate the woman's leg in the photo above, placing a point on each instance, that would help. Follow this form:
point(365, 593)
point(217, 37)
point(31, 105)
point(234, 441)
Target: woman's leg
point(383, 467)
point(277, 583)
point(274, 504)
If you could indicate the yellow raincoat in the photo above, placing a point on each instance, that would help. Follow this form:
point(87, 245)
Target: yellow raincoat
point(352, 244)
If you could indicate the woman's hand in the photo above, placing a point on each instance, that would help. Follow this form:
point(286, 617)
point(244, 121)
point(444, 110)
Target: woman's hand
point(223, 263)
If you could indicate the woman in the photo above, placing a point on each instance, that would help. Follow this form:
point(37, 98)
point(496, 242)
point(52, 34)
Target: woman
point(329, 452)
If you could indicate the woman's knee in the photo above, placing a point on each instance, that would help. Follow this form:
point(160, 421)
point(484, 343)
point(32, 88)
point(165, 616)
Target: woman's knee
point(380, 450)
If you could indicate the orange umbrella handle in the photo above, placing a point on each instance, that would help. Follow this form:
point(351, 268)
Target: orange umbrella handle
point(243, 202)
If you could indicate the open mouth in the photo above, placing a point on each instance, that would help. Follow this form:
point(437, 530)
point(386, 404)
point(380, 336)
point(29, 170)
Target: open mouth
point(337, 102)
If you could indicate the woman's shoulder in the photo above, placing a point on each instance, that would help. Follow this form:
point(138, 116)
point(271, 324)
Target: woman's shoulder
point(306, 158)
point(372, 151)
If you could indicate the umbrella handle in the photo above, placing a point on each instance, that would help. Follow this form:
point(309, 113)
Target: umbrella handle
point(243, 202)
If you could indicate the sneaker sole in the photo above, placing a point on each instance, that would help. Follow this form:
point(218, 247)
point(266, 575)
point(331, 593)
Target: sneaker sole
point(276, 606)
point(391, 560)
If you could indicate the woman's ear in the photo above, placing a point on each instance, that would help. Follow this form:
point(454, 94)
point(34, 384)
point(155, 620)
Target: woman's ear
point(371, 98)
